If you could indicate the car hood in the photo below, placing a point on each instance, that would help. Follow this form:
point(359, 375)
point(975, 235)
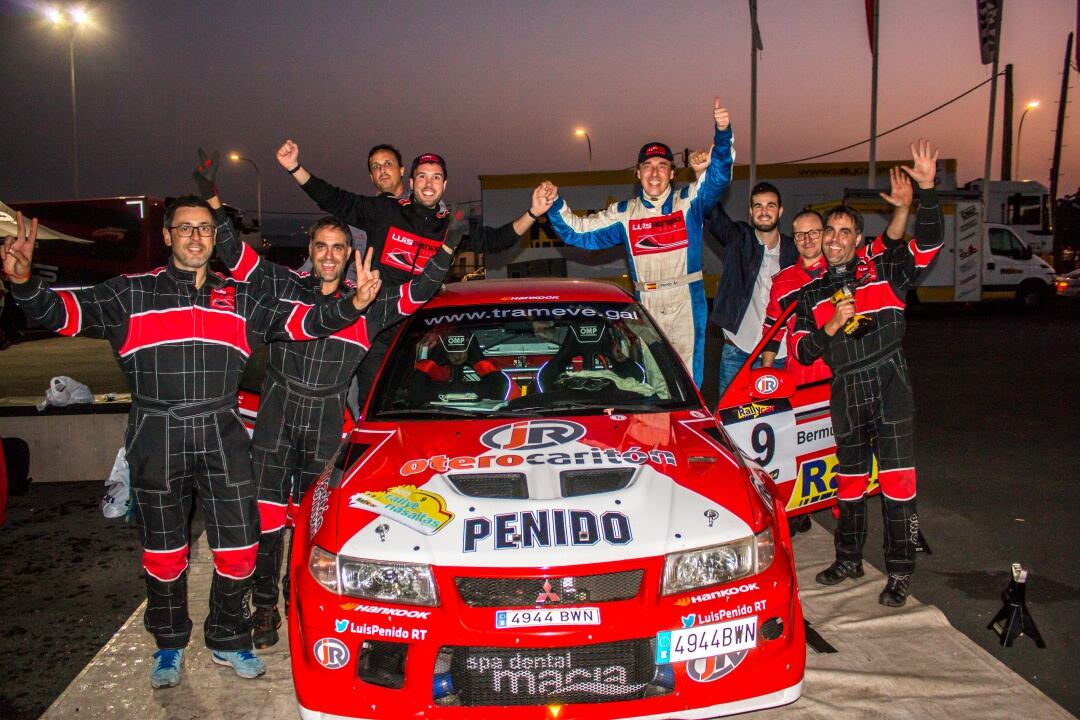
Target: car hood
point(598, 488)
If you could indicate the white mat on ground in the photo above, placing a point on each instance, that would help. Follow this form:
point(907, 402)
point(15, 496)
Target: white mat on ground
point(907, 663)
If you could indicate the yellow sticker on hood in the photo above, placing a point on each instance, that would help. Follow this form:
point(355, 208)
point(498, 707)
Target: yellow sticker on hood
point(420, 510)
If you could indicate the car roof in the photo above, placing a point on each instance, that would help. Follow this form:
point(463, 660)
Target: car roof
point(528, 290)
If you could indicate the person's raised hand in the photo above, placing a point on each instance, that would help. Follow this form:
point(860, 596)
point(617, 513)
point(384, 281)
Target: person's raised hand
point(721, 116)
point(845, 310)
point(205, 174)
point(900, 191)
point(367, 281)
point(925, 160)
point(288, 155)
point(18, 252)
point(542, 198)
point(699, 161)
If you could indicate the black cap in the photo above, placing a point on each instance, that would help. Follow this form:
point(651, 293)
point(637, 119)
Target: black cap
point(655, 149)
point(426, 158)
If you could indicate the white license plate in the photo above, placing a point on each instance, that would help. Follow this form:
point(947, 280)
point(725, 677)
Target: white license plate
point(542, 617)
point(704, 641)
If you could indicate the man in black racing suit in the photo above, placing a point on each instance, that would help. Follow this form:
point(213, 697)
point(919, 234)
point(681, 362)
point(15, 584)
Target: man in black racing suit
point(405, 233)
point(182, 335)
point(302, 400)
point(871, 400)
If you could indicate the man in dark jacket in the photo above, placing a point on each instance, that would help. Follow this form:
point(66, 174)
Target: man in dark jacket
point(753, 253)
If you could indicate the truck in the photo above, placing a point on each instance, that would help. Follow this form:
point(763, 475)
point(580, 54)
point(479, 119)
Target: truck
point(1010, 271)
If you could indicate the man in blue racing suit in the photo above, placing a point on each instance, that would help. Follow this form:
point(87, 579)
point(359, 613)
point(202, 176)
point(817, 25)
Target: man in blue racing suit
point(661, 228)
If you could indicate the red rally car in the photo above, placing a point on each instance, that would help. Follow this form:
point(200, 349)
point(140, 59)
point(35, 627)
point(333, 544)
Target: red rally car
point(538, 517)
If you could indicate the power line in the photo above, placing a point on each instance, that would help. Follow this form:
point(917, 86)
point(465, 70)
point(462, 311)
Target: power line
point(892, 130)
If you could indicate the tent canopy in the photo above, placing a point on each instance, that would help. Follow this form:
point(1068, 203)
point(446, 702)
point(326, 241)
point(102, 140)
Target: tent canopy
point(8, 226)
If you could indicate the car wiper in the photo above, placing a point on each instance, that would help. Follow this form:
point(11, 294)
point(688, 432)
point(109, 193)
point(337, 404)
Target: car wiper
point(562, 406)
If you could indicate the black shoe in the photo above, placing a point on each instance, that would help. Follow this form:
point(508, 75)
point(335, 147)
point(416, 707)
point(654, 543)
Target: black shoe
point(839, 571)
point(896, 591)
point(265, 622)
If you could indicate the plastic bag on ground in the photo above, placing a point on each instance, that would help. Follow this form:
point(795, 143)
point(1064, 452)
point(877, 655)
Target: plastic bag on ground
point(65, 391)
point(117, 500)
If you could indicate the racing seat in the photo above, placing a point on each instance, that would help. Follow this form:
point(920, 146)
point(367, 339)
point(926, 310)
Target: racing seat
point(591, 346)
point(443, 374)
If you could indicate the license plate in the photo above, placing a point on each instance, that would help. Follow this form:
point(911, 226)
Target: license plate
point(704, 641)
point(542, 617)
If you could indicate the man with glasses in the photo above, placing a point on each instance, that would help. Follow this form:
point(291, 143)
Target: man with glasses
point(871, 400)
point(808, 228)
point(182, 336)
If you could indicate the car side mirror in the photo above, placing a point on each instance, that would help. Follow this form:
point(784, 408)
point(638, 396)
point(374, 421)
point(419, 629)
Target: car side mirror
point(1024, 253)
point(770, 384)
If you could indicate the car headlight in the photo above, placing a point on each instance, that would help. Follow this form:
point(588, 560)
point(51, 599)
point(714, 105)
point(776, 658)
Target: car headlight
point(406, 583)
point(718, 564)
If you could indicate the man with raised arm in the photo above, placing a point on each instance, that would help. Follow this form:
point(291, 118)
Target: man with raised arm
point(182, 336)
point(302, 400)
point(808, 228)
point(404, 233)
point(661, 229)
point(871, 400)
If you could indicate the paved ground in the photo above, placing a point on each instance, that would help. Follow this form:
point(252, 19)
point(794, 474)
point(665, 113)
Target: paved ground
point(997, 394)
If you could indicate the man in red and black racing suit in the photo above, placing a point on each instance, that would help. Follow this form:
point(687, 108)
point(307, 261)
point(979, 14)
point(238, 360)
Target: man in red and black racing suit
point(404, 233)
point(661, 228)
point(182, 335)
point(302, 400)
point(871, 402)
point(807, 229)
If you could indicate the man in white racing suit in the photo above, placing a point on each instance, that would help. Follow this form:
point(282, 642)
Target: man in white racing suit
point(661, 227)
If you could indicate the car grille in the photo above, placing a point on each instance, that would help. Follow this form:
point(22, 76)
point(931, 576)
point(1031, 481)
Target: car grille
point(491, 485)
point(575, 483)
point(607, 672)
point(529, 592)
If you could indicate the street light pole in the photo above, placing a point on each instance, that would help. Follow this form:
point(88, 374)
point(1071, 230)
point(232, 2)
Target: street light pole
point(71, 19)
point(580, 132)
point(1030, 106)
point(237, 157)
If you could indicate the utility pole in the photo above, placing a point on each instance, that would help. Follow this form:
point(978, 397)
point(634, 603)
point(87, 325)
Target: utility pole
point(1006, 128)
point(1055, 168)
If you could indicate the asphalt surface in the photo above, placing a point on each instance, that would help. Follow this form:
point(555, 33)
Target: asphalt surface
point(996, 391)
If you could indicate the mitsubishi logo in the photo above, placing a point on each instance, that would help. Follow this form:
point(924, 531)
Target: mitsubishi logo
point(546, 595)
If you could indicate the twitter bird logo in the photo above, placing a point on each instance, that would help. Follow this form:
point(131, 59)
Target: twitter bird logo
point(341, 625)
point(689, 620)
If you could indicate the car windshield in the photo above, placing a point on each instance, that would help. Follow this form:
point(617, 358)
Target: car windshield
point(551, 358)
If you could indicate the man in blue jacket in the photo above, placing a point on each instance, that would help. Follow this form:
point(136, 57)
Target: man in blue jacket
point(753, 253)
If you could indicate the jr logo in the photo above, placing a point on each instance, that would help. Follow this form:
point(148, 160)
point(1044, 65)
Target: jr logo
point(532, 435)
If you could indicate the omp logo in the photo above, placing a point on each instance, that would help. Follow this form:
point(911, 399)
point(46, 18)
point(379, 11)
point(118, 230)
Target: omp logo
point(766, 384)
point(532, 435)
point(455, 339)
point(588, 331)
point(331, 653)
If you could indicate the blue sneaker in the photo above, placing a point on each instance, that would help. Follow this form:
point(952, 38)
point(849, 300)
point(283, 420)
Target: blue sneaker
point(246, 663)
point(166, 670)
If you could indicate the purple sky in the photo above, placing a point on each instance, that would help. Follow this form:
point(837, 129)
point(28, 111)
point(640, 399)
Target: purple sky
point(498, 87)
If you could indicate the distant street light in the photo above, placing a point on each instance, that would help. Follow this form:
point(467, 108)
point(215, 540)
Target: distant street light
point(71, 19)
point(1028, 108)
point(580, 132)
point(237, 157)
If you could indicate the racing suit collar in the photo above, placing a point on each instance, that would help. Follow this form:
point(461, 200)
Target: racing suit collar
point(845, 272)
point(185, 277)
point(651, 201)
